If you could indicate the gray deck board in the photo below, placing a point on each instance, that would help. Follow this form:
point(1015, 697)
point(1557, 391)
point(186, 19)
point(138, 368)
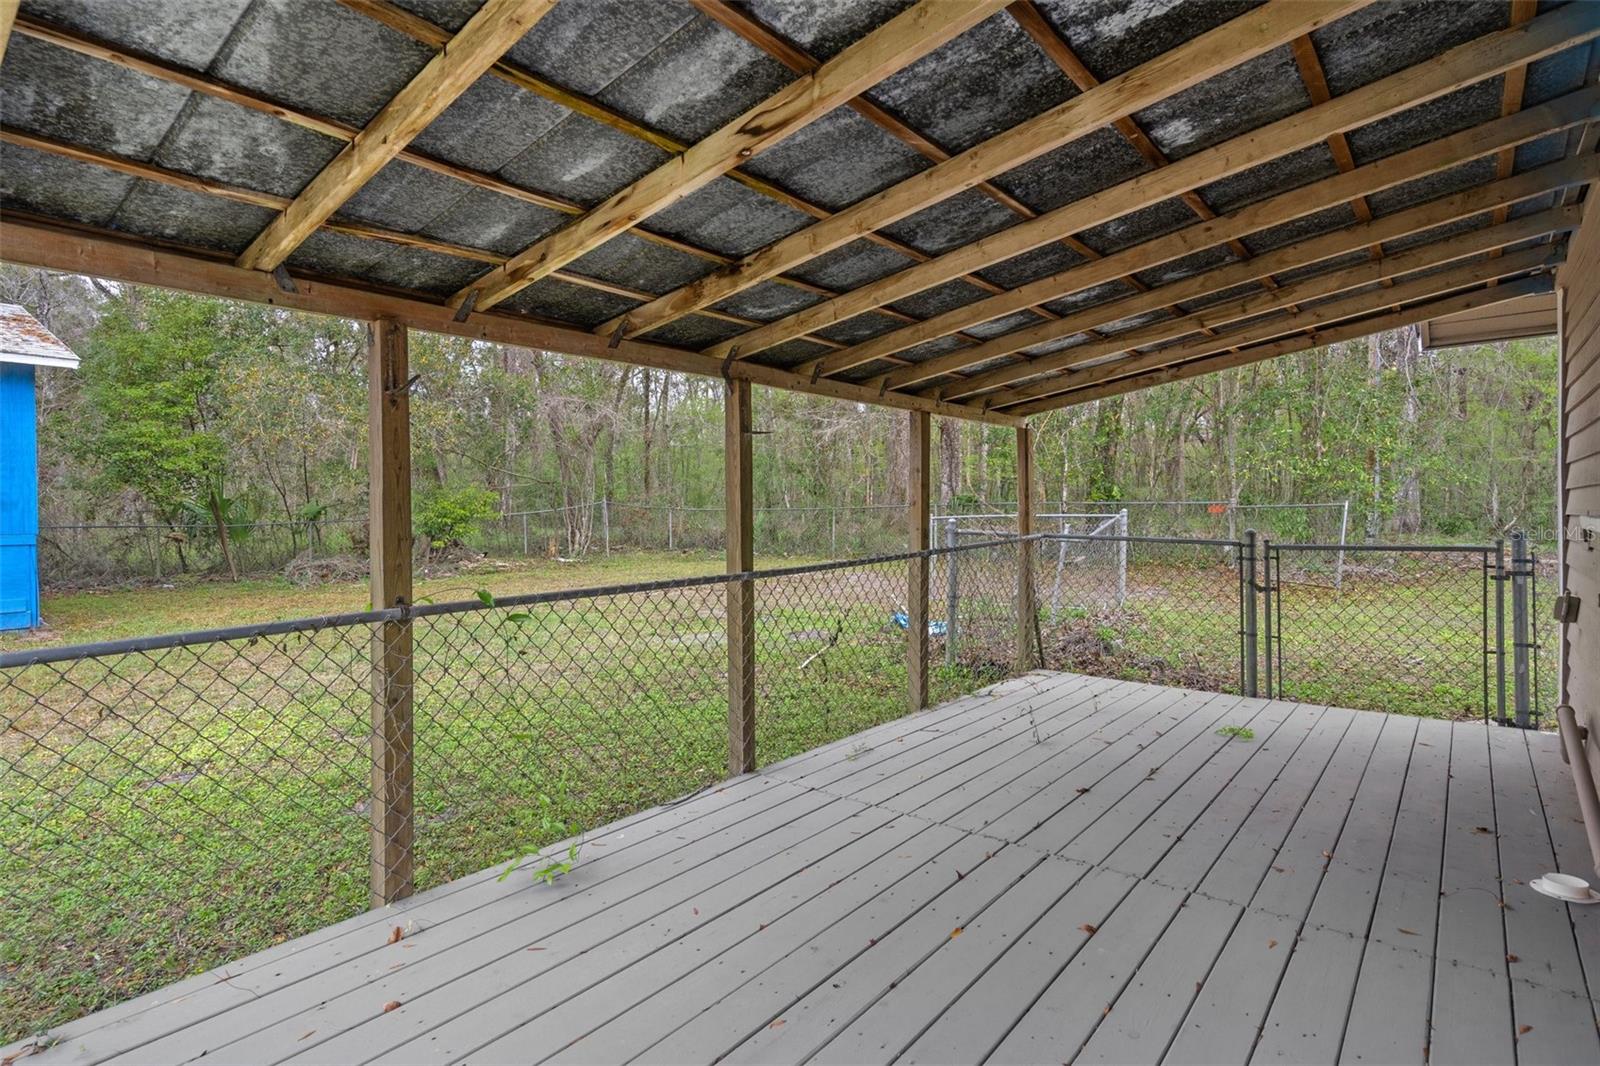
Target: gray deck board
point(1056, 869)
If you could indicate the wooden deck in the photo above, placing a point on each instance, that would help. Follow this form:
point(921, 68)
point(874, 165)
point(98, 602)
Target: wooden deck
point(1057, 869)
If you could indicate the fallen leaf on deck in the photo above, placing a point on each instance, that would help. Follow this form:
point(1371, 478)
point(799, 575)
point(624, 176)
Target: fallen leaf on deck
point(396, 934)
point(1088, 928)
point(776, 1023)
point(1082, 790)
point(1271, 944)
point(1523, 1030)
point(306, 1034)
point(536, 949)
point(1408, 932)
point(1512, 958)
point(957, 931)
point(393, 1004)
point(1482, 829)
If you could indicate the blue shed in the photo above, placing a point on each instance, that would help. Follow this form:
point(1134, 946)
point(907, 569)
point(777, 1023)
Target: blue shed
point(24, 345)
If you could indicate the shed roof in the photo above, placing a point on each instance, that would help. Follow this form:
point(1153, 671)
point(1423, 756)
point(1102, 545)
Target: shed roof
point(24, 339)
point(978, 208)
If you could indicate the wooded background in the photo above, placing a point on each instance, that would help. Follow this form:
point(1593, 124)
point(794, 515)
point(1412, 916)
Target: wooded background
point(191, 412)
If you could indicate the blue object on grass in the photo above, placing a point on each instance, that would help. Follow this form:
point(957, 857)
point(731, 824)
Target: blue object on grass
point(901, 619)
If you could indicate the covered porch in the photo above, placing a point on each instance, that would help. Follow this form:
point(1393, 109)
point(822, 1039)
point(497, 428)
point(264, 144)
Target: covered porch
point(1056, 868)
point(939, 208)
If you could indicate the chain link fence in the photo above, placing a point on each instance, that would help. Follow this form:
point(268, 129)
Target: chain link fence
point(167, 804)
point(102, 554)
point(170, 803)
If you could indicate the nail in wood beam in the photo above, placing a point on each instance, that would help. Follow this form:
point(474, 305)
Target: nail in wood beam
point(389, 463)
point(737, 464)
point(917, 518)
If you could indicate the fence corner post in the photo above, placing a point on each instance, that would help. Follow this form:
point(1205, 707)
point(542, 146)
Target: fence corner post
point(952, 589)
point(1521, 631)
point(389, 470)
point(1028, 650)
point(917, 565)
point(1249, 652)
point(740, 536)
point(1500, 629)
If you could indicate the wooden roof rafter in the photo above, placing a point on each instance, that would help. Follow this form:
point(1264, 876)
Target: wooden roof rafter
point(1031, 400)
point(350, 227)
point(1419, 162)
point(1463, 65)
point(422, 31)
point(1482, 296)
point(903, 40)
point(81, 249)
point(488, 34)
point(1235, 42)
point(963, 364)
point(1487, 241)
point(240, 97)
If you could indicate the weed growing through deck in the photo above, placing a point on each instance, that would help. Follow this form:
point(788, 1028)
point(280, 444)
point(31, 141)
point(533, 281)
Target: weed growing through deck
point(1237, 732)
point(550, 825)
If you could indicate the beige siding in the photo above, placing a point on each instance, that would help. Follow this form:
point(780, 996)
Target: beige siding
point(1579, 282)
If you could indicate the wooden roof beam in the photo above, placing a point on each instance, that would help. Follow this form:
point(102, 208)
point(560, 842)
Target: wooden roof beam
point(1467, 63)
point(1488, 240)
point(1239, 40)
point(899, 42)
point(738, 20)
point(422, 31)
point(81, 250)
point(1321, 314)
point(363, 230)
point(1028, 16)
point(8, 19)
point(1261, 215)
point(493, 29)
point(1516, 82)
point(1316, 83)
point(1316, 338)
point(1439, 212)
point(219, 90)
point(1405, 166)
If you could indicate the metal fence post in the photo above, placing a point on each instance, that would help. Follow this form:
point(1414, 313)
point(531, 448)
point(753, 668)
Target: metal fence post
point(952, 590)
point(605, 521)
point(1520, 573)
point(1122, 559)
point(1247, 604)
point(669, 528)
point(1266, 616)
point(524, 534)
point(1338, 566)
point(833, 532)
point(1500, 629)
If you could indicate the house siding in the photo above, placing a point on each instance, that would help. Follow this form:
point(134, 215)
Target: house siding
point(1579, 472)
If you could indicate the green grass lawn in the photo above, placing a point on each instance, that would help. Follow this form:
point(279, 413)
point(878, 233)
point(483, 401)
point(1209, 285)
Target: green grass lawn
point(165, 812)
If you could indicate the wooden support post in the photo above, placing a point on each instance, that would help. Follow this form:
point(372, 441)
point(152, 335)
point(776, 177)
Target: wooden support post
point(389, 462)
point(741, 594)
point(917, 569)
point(1027, 613)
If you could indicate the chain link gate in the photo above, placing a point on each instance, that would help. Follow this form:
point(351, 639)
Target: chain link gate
point(1449, 625)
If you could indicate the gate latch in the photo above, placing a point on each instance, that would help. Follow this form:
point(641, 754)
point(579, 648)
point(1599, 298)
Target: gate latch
point(1565, 610)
